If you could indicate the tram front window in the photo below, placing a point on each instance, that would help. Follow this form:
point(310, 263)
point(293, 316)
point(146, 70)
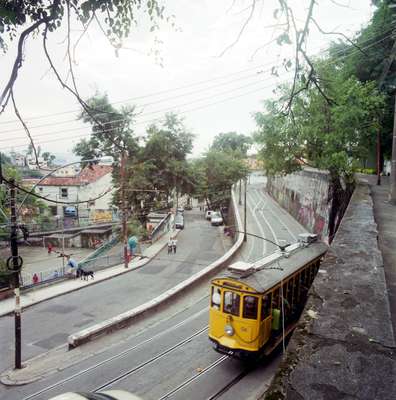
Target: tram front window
point(231, 303)
point(250, 307)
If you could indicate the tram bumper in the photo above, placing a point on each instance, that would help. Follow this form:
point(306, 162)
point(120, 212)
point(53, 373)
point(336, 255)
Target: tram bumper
point(235, 353)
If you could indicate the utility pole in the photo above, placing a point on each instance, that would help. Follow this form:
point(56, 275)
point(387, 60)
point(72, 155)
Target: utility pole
point(393, 165)
point(240, 192)
point(123, 206)
point(16, 265)
point(378, 158)
point(245, 213)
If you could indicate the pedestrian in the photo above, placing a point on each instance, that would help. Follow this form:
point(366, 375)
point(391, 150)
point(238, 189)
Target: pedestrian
point(49, 248)
point(35, 278)
point(73, 266)
point(174, 244)
point(170, 245)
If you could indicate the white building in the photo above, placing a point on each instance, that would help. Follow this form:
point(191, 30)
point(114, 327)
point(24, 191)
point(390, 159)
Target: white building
point(92, 181)
point(32, 164)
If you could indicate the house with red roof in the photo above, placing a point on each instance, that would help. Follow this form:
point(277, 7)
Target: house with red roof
point(93, 183)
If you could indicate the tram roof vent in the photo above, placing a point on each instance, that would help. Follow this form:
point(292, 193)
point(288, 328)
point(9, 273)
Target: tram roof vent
point(307, 238)
point(241, 267)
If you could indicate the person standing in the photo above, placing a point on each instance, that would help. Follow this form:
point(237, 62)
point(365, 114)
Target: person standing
point(73, 266)
point(170, 245)
point(174, 245)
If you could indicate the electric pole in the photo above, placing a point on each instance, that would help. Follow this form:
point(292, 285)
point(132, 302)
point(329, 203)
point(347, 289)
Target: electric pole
point(16, 265)
point(393, 165)
point(123, 207)
point(240, 192)
point(245, 213)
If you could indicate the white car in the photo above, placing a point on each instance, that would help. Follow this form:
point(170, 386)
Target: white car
point(216, 219)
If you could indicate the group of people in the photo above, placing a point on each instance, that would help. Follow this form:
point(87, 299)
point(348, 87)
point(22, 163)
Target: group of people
point(172, 244)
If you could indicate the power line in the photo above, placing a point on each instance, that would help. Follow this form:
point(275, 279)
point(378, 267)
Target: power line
point(169, 109)
point(182, 87)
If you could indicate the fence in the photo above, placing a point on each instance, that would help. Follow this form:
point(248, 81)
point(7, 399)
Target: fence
point(53, 274)
point(163, 226)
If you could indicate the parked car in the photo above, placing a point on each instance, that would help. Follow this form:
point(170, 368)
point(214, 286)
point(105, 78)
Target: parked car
point(188, 207)
point(179, 221)
point(208, 214)
point(216, 219)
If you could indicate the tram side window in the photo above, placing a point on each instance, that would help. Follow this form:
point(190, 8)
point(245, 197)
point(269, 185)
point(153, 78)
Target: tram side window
point(265, 306)
point(250, 306)
point(216, 298)
point(231, 303)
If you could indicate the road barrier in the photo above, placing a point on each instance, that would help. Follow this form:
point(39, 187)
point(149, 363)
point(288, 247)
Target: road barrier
point(125, 319)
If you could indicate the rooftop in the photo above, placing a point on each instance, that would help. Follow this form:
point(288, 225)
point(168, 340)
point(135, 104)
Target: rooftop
point(89, 174)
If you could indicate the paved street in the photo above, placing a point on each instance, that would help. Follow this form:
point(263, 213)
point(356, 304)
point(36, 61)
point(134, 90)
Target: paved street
point(198, 243)
point(48, 324)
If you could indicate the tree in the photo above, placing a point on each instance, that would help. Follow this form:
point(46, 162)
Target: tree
point(232, 142)
point(335, 136)
point(166, 150)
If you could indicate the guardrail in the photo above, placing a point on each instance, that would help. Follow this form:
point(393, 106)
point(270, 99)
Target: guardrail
point(125, 319)
point(162, 227)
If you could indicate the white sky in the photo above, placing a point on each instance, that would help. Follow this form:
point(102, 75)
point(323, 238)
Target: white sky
point(223, 91)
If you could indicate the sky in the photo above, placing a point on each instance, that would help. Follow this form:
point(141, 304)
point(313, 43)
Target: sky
point(197, 69)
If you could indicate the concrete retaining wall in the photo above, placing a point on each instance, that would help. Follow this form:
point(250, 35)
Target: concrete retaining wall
point(305, 195)
point(343, 347)
point(127, 318)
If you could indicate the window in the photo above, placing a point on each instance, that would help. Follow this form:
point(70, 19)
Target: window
point(250, 307)
point(216, 298)
point(63, 193)
point(231, 303)
point(265, 306)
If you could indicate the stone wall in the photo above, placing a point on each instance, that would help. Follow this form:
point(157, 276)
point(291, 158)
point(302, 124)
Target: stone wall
point(343, 346)
point(305, 195)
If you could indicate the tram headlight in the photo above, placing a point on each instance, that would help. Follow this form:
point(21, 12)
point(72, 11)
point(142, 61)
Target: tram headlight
point(229, 330)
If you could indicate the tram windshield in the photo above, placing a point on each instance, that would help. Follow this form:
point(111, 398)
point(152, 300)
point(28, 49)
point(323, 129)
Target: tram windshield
point(231, 303)
point(250, 304)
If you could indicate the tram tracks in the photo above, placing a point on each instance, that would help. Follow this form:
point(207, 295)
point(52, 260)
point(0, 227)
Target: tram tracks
point(124, 353)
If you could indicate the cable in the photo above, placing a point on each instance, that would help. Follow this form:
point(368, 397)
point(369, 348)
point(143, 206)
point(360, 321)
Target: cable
point(169, 109)
point(178, 88)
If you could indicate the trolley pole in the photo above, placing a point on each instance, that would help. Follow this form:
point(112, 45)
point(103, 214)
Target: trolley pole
point(15, 267)
point(245, 213)
point(123, 206)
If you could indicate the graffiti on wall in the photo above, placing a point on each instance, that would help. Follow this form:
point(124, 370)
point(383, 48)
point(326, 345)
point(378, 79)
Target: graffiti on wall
point(305, 196)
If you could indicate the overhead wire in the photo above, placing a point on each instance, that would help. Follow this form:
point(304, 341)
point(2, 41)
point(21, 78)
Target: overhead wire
point(185, 86)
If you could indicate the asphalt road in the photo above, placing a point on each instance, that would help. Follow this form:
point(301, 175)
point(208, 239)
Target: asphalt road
point(48, 324)
point(173, 356)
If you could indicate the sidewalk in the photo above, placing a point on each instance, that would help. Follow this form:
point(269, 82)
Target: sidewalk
point(346, 347)
point(385, 217)
point(39, 294)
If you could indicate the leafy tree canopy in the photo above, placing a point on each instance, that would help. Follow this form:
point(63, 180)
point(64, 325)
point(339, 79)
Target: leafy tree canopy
point(335, 136)
point(232, 142)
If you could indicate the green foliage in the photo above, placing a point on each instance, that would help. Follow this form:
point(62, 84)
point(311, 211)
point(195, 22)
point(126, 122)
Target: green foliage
point(118, 16)
point(233, 142)
point(215, 174)
point(333, 136)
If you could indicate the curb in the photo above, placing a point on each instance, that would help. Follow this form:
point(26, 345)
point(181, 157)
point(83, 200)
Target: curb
point(125, 319)
point(139, 264)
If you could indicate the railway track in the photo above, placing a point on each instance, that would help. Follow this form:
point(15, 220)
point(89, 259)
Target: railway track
point(124, 353)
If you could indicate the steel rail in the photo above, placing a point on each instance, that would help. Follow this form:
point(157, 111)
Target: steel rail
point(151, 360)
point(114, 357)
point(194, 377)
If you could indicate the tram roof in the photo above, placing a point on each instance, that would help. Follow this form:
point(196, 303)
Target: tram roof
point(267, 272)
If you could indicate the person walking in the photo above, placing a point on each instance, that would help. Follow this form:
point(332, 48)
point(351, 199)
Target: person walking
point(170, 245)
point(174, 245)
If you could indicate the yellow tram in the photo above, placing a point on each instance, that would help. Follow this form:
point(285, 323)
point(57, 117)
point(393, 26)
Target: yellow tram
point(254, 305)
